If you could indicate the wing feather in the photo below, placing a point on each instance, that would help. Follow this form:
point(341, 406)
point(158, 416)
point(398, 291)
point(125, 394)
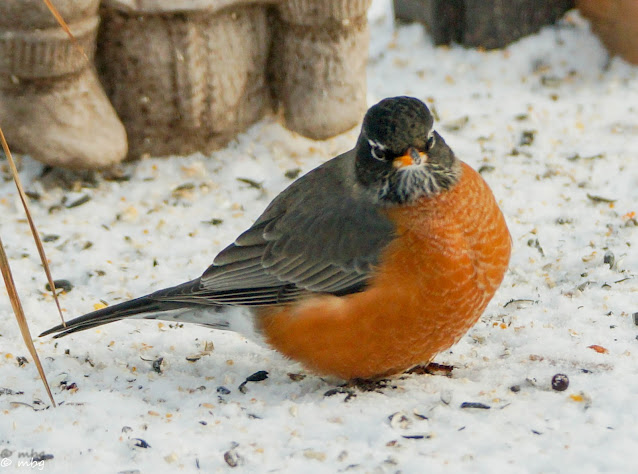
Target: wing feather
point(324, 237)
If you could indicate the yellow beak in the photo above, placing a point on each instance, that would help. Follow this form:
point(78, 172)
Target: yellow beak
point(411, 157)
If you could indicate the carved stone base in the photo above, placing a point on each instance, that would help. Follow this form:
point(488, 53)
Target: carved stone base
point(51, 104)
point(484, 23)
point(188, 81)
point(319, 65)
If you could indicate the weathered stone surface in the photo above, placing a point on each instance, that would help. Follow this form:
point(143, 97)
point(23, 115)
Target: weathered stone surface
point(189, 80)
point(484, 23)
point(52, 105)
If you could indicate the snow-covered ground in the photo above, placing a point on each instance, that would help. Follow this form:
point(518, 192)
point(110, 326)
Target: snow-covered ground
point(551, 121)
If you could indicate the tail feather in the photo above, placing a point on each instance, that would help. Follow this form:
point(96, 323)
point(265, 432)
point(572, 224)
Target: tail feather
point(149, 306)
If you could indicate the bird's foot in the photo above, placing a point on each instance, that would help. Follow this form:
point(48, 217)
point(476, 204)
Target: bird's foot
point(353, 386)
point(432, 369)
point(369, 385)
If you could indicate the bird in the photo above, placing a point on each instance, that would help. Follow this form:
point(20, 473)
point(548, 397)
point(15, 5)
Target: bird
point(369, 265)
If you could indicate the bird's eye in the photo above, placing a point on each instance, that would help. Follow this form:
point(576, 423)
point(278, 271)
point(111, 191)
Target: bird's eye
point(378, 153)
point(430, 143)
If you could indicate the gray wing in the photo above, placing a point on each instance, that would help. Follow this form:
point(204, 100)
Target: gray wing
point(322, 234)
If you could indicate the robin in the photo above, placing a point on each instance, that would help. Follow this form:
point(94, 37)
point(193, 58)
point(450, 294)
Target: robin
point(368, 265)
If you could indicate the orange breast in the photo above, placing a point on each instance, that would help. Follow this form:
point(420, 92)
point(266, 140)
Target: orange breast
point(432, 284)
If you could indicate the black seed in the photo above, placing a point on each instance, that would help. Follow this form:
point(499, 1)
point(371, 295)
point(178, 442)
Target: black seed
point(64, 285)
point(50, 238)
point(296, 377)
point(71, 386)
point(140, 443)
point(213, 221)
point(21, 361)
point(527, 137)
point(253, 184)
point(223, 390)
point(157, 365)
point(293, 173)
point(482, 406)
point(609, 258)
point(78, 202)
point(560, 382)
point(515, 388)
point(636, 318)
point(257, 376)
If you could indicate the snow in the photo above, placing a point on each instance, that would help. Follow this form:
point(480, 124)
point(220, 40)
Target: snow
point(560, 300)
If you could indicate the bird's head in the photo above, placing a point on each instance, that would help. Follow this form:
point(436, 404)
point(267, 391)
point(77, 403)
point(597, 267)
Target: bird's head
point(399, 156)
